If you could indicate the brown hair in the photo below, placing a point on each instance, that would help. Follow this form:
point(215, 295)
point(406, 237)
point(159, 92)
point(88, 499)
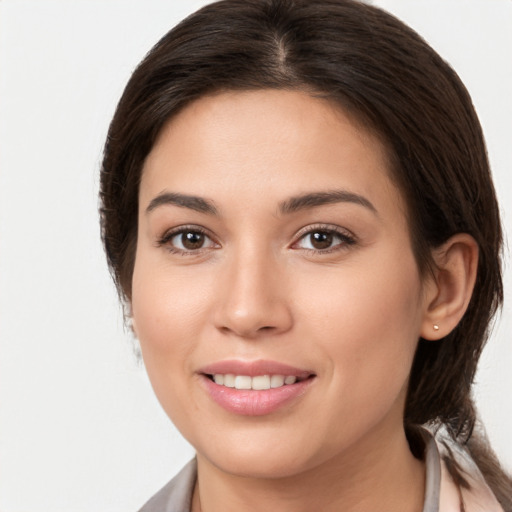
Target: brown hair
point(373, 65)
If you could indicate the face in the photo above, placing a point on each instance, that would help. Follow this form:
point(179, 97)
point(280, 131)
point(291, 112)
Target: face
point(275, 293)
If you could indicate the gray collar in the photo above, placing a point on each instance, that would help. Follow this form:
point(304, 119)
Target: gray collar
point(433, 474)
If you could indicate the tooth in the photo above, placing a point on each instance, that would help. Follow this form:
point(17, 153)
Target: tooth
point(229, 380)
point(261, 382)
point(276, 381)
point(243, 382)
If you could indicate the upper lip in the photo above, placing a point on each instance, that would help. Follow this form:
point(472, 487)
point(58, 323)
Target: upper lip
point(254, 368)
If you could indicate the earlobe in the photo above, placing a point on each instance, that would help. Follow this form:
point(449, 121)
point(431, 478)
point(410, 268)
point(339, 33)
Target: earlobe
point(452, 285)
point(131, 322)
point(133, 327)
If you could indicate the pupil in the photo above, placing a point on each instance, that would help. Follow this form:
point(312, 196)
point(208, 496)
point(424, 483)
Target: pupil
point(321, 240)
point(192, 240)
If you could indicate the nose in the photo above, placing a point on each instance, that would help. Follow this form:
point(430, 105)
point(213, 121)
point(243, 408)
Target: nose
point(254, 300)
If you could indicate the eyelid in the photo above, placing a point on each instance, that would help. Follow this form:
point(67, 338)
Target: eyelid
point(347, 237)
point(168, 235)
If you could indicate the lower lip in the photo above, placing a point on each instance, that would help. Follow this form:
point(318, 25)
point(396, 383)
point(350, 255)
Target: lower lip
point(249, 402)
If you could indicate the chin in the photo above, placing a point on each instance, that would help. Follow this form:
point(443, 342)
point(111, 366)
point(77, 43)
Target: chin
point(259, 466)
point(261, 458)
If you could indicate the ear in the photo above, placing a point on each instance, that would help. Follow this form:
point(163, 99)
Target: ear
point(133, 327)
point(449, 291)
point(130, 320)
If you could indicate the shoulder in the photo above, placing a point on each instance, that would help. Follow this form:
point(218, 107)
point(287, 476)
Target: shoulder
point(175, 496)
point(463, 487)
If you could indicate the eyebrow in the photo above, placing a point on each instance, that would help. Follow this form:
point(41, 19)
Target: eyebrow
point(314, 199)
point(294, 204)
point(184, 201)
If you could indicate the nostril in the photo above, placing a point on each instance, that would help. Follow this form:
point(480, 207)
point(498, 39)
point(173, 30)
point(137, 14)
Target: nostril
point(263, 318)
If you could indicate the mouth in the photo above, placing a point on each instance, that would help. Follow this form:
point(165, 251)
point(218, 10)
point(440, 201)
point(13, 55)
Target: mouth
point(255, 388)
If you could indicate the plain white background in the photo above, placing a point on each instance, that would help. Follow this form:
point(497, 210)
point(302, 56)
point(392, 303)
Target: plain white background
point(80, 429)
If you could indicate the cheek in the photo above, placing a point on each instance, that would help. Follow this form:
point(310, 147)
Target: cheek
point(166, 322)
point(166, 305)
point(167, 309)
point(367, 321)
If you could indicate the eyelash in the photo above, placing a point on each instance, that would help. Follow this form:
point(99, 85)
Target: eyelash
point(165, 240)
point(345, 239)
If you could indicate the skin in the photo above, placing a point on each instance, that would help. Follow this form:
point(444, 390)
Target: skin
point(259, 289)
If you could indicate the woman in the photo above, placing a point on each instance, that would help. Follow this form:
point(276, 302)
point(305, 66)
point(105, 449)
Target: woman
point(298, 214)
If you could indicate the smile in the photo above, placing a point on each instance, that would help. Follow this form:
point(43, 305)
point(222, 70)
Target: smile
point(257, 383)
point(255, 388)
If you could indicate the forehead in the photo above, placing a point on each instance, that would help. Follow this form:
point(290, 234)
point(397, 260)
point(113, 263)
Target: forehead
point(267, 144)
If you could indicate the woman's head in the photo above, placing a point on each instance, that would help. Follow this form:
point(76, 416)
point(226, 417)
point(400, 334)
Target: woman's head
point(382, 75)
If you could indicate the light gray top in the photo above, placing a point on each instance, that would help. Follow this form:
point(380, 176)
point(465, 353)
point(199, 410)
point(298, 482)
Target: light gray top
point(176, 496)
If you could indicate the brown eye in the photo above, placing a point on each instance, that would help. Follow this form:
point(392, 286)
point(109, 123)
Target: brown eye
point(191, 240)
point(324, 240)
point(321, 239)
point(187, 241)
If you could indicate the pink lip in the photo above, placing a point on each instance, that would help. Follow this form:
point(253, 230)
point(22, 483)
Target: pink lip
point(252, 402)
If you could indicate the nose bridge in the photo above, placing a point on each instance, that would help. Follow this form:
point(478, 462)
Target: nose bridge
point(254, 299)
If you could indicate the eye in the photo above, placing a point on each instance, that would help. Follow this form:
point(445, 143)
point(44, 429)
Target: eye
point(186, 240)
point(324, 240)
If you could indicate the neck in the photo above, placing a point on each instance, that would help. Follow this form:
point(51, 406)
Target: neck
point(380, 473)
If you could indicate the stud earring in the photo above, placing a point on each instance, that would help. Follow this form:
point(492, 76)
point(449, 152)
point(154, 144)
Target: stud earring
point(436, 327)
